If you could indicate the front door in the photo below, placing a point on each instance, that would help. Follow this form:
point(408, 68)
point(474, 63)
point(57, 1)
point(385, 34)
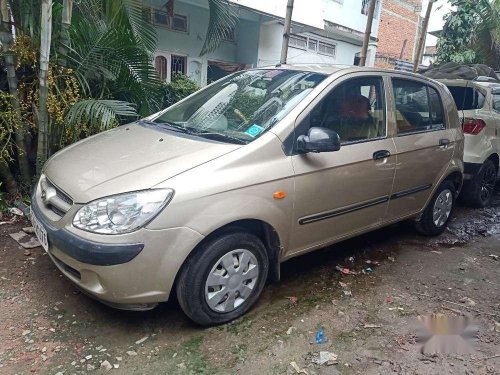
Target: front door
point(340, 193)
point(424, 145)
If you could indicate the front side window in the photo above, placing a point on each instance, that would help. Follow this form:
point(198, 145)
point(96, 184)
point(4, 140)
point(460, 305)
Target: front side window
point(354, 109)
point(241, 107)
point(418, 107)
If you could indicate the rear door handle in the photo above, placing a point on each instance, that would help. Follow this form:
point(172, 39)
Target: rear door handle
point(381, 154)
point(444, 142)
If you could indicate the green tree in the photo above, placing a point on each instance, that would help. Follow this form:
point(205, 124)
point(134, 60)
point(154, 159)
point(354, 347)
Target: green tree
point(460, 28)
point(471, 33)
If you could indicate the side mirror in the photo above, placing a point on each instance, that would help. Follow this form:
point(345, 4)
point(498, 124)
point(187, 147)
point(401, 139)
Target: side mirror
point(318, 140)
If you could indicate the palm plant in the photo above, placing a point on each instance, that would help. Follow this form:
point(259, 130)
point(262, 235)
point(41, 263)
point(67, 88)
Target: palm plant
point(83, 67)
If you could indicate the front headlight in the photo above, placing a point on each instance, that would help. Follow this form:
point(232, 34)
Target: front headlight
point(122, 213)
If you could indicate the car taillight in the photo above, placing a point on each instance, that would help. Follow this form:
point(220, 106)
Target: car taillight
point(473, 126)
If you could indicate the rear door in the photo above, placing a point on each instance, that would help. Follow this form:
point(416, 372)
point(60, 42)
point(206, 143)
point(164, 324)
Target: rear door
point(424, 144)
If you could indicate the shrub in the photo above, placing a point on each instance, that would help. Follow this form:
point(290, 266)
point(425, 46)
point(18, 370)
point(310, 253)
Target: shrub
point(180, 87)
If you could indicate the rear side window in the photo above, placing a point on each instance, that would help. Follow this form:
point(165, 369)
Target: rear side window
point(418, 107)
point(496, 102)
point(467, 98)
point(437, 119)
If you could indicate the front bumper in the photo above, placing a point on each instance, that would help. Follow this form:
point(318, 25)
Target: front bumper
point(131, 271)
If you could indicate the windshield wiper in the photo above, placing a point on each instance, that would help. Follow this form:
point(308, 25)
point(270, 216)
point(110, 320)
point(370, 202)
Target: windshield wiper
point(170, 125)
point(223, 136)
point(192, 131)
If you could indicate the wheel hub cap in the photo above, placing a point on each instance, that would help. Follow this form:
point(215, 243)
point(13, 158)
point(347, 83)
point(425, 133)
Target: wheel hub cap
point(442, 207)
point(231, 280)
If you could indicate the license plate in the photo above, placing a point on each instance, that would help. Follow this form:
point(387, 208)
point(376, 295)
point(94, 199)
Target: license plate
point(40, 232)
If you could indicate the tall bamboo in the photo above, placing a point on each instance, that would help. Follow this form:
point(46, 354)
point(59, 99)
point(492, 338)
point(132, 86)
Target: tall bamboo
point(10, 65)
point(43, 116)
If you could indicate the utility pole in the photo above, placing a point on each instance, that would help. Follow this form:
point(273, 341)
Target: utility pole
point(286, 32)
point(423, 34)
point(368, 32)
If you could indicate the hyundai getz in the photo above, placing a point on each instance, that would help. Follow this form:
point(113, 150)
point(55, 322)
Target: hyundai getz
point(210, 195)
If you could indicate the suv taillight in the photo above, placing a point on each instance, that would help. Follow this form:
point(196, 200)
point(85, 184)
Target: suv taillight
point(473, 126)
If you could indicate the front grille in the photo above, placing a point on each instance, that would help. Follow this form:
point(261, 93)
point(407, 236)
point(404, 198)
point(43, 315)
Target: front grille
point(54, 198)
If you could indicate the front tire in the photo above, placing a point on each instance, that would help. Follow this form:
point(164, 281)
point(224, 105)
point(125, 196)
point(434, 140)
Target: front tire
point(223, 278)
point(479, 191)
point(438, 212)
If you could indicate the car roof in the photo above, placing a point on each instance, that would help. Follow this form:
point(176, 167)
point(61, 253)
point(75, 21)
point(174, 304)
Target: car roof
point(330, 69)
point(464, 82)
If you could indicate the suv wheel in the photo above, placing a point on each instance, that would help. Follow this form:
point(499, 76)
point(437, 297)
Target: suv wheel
point(223, 278)
point(438, 212)
point(479, 191)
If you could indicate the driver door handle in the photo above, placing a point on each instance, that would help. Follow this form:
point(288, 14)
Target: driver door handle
point(381, 154)
point(444, 142)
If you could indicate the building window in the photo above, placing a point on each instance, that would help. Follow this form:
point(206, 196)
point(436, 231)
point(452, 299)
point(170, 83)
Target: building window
point(180, 23)
point(326, 49)
point(176, 22)
point(298, 42)
point(312, 45)
point(161, 67)
point(161, 18)
point(178, 64)
point(365, 5)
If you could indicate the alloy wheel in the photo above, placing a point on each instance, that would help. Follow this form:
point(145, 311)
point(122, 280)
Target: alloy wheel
point(488, 184)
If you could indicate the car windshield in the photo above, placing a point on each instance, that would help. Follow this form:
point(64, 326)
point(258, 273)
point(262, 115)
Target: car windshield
point(241, 107)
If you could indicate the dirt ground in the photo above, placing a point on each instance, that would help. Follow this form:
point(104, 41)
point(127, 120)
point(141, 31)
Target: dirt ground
point(369, 319)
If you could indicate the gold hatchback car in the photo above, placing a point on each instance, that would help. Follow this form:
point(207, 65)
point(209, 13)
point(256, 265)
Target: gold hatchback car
point(210, 195)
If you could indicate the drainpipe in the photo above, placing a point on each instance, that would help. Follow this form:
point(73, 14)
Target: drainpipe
point(286, 32)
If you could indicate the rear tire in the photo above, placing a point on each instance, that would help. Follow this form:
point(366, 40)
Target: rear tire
point(438, 212)
point(478, 192)
point(223, 278)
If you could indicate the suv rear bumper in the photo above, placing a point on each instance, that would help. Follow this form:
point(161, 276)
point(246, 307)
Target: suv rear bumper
point(471, 170)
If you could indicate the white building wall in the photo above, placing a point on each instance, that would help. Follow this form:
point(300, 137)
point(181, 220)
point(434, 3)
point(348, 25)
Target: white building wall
point(271, 37)
point(313, 12)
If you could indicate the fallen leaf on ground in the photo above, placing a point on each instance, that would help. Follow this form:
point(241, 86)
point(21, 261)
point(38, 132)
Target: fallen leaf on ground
point(297, 369)
point(345, 271)
point(325, 357)
point(138, 342)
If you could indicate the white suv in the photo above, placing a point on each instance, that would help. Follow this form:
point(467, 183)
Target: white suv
point(478, 104)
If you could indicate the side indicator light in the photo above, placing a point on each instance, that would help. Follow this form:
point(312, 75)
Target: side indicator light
point(280, 194)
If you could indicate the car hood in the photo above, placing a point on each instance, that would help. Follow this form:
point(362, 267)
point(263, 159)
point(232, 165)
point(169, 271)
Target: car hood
point(128, 158)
